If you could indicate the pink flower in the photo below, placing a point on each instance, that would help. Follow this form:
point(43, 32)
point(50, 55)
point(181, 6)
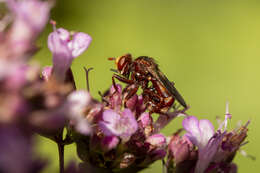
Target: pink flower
point(145, 120)
point(65, 49)
point(75, 106)
point(30, 14)
point(14, 74)
point(31, 17)
point(180, 149)
point(199, 132)
point(212, 148)
point(122, 124)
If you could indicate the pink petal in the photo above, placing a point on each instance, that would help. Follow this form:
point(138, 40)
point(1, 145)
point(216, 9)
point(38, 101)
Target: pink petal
point(131, 103)
point(62, 57)
point(79, 43)
point(123, 125)
point(191, 125)
point(108, 125)
point(75, 106)
point(110, 116)
point(207, 153)
point(116, 97)
point(145, 119)
point(33, 13)
point(158, 140)
point(57, 40)
point(63, 34)
point(77, 103)
point(110, 142)
point(132, 123)
point(206, 132)
point(83, 127)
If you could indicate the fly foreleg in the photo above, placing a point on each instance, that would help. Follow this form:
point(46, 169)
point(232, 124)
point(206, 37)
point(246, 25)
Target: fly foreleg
point(129, 92)
point(120, 78)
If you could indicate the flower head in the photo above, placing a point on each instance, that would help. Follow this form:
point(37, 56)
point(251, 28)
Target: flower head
point(215, 148)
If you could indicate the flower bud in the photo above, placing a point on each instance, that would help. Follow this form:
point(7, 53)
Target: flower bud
point(157, 140)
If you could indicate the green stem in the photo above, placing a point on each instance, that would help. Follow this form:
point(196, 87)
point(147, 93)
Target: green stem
point(61, 156)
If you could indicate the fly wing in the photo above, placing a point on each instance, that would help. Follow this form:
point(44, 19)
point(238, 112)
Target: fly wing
point(155, 71)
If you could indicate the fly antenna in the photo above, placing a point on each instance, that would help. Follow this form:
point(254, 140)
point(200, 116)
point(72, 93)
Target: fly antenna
point(111, 58)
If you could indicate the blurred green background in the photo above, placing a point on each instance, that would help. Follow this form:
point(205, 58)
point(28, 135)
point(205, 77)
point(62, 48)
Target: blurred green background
point(209, 48)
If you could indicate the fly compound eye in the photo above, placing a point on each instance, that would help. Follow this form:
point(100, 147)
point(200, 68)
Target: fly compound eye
point(121, 62)
point(118, 59)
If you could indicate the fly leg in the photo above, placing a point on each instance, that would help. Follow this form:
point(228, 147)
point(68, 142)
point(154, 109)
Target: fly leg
point(129, 91)
point(122, 79)
point(104, 96)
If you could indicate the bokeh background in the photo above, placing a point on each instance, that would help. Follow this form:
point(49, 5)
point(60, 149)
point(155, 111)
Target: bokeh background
point(209, 48)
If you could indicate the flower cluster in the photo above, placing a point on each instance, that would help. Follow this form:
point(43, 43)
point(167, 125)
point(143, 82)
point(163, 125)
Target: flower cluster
point(202, 149)
point(122, 137)
point(111, 135)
